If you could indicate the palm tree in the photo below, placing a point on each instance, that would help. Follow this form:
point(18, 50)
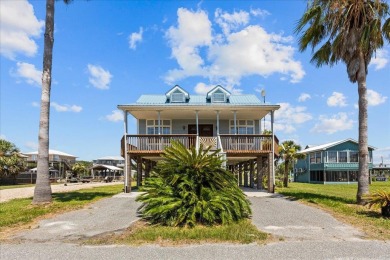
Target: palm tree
point(42, 191)
point(11, 162)
point(288, 150)
point(190, 187)
point(349, 31)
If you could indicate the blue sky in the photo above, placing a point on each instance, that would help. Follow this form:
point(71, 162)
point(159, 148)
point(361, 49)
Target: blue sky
point(110, 52)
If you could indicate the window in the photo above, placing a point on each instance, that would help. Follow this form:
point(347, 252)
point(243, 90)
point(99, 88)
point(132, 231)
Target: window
point(177, 97)
point(244, 127)
point(318, 157)
point(152, 127)
point(332, 156)
point(353, 157)
point(312, 158)
point(218, 97)
point(316, 176)
point(343, 157)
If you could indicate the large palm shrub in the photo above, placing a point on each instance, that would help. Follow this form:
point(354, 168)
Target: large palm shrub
point(380, 198)
point(190, 187)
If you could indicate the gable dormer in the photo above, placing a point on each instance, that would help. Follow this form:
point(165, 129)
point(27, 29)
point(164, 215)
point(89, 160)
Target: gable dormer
point(177, 95)
point(218, 95)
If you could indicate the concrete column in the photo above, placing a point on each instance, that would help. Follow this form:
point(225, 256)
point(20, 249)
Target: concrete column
point(148, 166)
point(139, 171)
point(251, 173)
point(240, 174)
point(245, 174)
point(128, 175)
point(259, 174)
point(271, 181)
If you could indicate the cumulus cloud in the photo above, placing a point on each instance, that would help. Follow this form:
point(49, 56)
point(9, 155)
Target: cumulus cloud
point(230, 21)
point(66, 108)
point(115, 116)
point(35, 104)
point(202, 88)
point(382, 154)
point(374, 98)
point(243, 49)
point(288, 117)
point(303, 97)
point(19, 27)
point(333, 124)
point(380, 60)
point(29, 73)
point(99, 77)
point(259, 12)
point(135, 38)
point(337, 99)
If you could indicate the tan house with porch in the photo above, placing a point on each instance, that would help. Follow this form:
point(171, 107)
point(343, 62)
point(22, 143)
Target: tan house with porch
point(224, 121)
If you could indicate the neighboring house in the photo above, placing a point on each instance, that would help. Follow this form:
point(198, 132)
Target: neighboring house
point(219, 119)
point(117, 161)
point(108, 166)
point(59, 162)
point(336, 162)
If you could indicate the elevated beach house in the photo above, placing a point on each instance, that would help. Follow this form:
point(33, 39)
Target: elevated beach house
point(336, 162)
point(219, 119)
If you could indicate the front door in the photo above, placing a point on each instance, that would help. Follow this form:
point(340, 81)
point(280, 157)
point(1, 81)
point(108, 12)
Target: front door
point(204, 130)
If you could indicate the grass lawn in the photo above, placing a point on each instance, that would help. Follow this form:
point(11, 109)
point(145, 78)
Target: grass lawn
point(339, 200)
point(242, 232)
point(19, 212)
point(5, 187)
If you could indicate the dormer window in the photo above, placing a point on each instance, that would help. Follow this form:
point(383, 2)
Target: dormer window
point(177, 97)
point(218, 97)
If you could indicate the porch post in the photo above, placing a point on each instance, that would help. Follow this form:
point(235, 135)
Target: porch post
point(126, 172)
point(240, 174)
point(197, 122)
point(245, 174)
point(235, 122)
point(251, 173)
point(271, 180)
point(159, 122)
point(217, 122)
point(259, 162)
point(139, 171)
point(273, 147)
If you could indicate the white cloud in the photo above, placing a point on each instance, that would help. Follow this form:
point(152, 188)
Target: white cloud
point(259, 12)
point(115, 116)
point(337, 99)
point(230, 21)
point(202, 89)
point(374, 98)
point(31, 145)
point(134, 38)
point(19, 26)
point(380, 60)
point(35, 104)
point(3, 137)
point(382, 154)
point(331, 125)
point(66, 108)
point(303, 97)
point(29, 73)
point(99, 77)
point(227, 58)
point(288, 117)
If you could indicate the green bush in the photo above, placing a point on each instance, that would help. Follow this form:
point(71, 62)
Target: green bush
point(190, 187)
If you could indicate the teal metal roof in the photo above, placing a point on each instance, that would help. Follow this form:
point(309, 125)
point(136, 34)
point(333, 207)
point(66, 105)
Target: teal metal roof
point(198, 100)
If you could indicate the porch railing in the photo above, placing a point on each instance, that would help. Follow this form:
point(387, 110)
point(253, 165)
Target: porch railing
point(226, 143)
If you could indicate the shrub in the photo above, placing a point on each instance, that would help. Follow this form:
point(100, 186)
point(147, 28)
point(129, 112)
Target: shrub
point(380, 198)
point(190, 187)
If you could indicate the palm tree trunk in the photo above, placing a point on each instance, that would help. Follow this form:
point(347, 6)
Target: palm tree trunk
point(42, 191)
point(285, 179)
point(363, 188)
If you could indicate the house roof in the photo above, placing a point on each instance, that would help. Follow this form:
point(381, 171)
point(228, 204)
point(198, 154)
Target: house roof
point(52, 152)
point(177, 87)
point(116, 158)
point(227, 93)
point(322, 147)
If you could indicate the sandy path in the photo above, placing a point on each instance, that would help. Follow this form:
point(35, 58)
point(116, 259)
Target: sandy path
point(17, 193)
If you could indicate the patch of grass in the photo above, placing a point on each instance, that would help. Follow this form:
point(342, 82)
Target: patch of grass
point(6, 187)
point(340, 200)
point(20, 211)
point(243, 232)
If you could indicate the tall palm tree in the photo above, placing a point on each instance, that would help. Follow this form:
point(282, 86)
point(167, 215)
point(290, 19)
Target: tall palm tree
point(288, 150)
point(42, 191)
point(349, 31)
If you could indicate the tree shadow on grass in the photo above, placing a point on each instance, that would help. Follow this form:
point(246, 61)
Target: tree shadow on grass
point(80, 196)
point(312, 197)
